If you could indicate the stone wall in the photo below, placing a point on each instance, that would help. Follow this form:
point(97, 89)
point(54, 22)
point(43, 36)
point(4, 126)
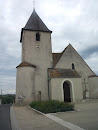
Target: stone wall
point(93, 87)
point(25, 84)
point(56, 89)
point(69, 57)
point(38, 53)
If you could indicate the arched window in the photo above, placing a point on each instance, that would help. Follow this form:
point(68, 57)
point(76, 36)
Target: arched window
point(37, 37)
point(73, 66)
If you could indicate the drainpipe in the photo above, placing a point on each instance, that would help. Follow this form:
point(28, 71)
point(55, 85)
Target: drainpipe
point(49, 78)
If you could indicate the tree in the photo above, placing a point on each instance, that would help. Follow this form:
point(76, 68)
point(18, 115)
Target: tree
point(7, 99)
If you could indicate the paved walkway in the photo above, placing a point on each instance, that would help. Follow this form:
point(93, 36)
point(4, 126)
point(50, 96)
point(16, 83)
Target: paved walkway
point(85, 117)
point(31, 120)
point(5, 123)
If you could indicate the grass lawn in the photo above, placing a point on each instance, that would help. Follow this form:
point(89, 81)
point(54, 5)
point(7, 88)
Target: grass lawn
point(52, 106)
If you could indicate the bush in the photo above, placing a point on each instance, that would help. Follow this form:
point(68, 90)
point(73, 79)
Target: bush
point(52, 106)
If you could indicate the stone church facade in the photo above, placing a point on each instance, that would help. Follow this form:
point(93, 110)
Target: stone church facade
point(43, 75)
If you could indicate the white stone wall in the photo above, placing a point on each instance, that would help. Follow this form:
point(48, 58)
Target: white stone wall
point(25, 84)
point(38, 53)
point(56, 89)
point(93, 87)
point(71, 56)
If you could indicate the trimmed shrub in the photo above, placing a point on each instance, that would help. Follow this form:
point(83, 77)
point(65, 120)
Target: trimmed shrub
point(52, 106)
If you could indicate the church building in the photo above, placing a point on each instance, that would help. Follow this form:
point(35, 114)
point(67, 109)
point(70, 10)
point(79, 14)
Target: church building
point(43, 75)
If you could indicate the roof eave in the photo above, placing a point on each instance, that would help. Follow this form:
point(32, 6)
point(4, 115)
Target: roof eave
point(31, 30)
point(24, 64)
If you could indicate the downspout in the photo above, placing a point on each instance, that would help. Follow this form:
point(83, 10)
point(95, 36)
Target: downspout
point(49, 78)
point(34, 84)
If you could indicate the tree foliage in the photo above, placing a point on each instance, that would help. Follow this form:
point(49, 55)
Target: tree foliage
point(7, 99)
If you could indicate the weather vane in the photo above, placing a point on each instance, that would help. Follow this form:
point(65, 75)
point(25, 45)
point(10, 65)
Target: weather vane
point(33, 4)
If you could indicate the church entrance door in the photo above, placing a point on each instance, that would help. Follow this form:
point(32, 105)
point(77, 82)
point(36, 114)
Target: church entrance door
point(66, 89)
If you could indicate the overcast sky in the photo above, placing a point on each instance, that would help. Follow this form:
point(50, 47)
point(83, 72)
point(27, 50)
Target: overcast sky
point(72, 21)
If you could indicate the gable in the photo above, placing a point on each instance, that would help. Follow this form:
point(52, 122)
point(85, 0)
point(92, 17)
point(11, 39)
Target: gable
point(70, 56)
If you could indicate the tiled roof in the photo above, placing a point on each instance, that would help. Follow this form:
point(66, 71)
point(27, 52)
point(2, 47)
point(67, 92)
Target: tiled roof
point(63, 73)
point(24, 64)
point(56, 57)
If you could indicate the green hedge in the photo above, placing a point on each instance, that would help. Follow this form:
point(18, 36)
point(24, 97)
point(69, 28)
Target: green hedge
point(52, 106)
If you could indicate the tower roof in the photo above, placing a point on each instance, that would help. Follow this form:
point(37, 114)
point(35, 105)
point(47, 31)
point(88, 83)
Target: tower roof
point(36, 24)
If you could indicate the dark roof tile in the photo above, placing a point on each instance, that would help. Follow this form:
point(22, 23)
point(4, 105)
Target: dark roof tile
point(56, 57)
point(35, 23)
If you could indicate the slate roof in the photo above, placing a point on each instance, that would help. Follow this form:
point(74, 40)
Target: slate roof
point(63, 73)
point(35, 23)
point(25, 64)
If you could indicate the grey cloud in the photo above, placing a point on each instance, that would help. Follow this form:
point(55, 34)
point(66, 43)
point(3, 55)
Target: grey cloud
point(79, 29)
point(88, 52)
point(8, 83)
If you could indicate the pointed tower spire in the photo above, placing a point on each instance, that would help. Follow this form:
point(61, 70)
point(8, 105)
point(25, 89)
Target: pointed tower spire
point(35, 24)
point(33, 5)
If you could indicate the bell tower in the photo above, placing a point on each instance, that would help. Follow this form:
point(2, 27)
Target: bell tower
point(35, 38)
point(32, 77)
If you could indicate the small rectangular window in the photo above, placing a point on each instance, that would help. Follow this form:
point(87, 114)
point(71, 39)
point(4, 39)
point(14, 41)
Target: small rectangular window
point(73, 66)
point(37, 37)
